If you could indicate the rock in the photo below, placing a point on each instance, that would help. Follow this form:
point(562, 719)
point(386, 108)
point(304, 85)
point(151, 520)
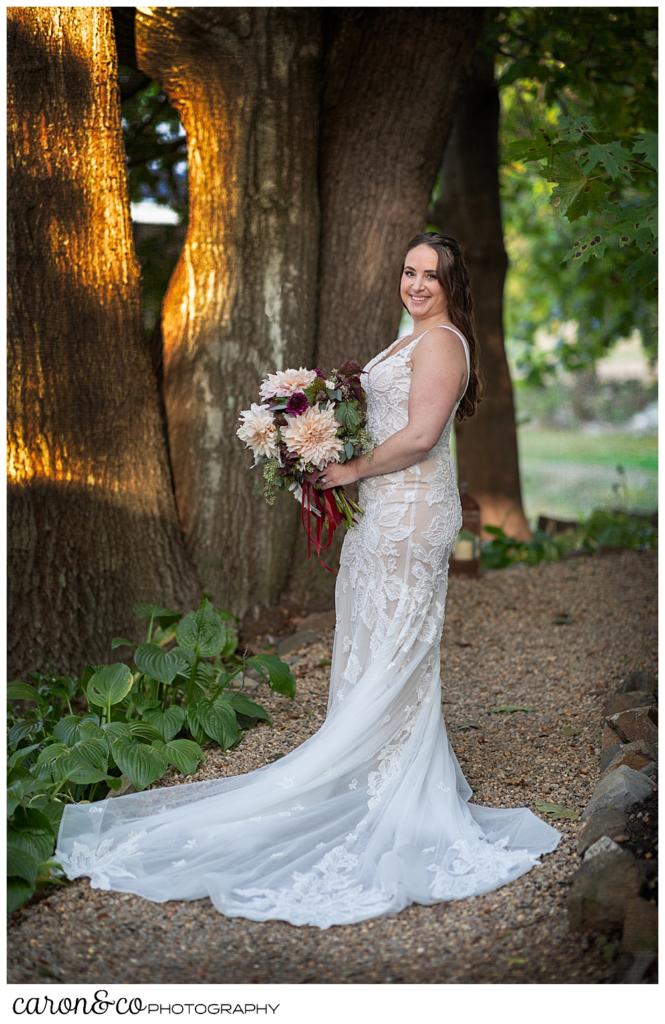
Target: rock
point(650, 770)
point(319, 621)
point(296, 640)
point(601, 888)
point(610, 745)
point(635, 724)
point(607, 821)
point(631, 699)
point(602, 845)
point(639, 680)
point(640, 926)
point(637, 966)
point(635, 755)
point(621, 788)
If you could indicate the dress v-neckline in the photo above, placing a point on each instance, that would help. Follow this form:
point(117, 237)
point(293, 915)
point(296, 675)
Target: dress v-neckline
point(397, 351)
point(391, 354)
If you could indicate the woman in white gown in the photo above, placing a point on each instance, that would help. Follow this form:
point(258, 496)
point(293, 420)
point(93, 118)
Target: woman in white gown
point(372, 812)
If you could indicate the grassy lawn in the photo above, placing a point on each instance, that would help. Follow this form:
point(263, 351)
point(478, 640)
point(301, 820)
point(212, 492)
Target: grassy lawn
point(568, 473)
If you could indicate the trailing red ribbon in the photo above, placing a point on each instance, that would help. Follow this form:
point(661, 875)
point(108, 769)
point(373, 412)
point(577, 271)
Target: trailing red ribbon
point(330, 516)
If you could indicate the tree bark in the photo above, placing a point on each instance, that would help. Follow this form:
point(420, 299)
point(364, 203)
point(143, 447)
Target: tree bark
point(92, 523)
point(242, 299)
point(391, 81)
point(469, 209)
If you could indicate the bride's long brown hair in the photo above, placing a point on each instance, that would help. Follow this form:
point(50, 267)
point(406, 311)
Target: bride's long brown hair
point(453, 276)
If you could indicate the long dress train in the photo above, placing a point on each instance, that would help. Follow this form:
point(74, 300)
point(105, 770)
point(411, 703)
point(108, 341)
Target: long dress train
point(372, 812)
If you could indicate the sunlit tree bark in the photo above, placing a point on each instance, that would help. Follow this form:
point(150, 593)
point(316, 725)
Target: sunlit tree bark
point(242, 299)
point(92, 522)
point(469, 208)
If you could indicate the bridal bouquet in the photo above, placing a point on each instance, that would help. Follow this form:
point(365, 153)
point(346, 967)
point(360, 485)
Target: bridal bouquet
point(304, 421)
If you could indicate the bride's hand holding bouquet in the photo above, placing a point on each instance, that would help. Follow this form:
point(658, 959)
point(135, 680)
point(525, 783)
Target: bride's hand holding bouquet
point(305, 433)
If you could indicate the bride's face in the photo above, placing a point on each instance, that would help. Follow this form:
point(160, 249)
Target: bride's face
point(420, 289)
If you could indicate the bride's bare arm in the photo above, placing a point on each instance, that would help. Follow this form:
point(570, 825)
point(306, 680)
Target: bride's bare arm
point(438, 376)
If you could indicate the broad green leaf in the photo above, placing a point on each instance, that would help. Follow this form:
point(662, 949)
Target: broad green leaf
point(91, 753)
point(202, 631)
point(161, 665)
point(218, 721)
point(22, 864)
point(30, 830)
point(21, 754)
point(168, 722)
point(144, 731)
point(18, 893)
point(24, 691)
point(279, 674)
point(67, 729)
point(141, 763)
point(184, 754)
point(109, 684)
point(117, 730)
point(245, 706)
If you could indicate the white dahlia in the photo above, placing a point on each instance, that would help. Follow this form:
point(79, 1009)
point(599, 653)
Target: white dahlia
point(283, 383)
point(313, 436)
point(258, 430)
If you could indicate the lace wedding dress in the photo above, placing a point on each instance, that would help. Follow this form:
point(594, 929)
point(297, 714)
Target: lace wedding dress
point(370, 813)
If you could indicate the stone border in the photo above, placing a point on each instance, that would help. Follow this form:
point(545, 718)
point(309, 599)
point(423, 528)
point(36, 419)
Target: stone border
point(605, 892)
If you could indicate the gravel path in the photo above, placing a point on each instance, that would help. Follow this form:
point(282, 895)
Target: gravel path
point(501, 645)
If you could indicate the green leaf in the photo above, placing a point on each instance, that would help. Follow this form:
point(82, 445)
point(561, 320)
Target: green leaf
point(279, 674)
point(557, 811)
point(168, 722)
point(121, 641)
point(218, 721)
point(19, 790)
point(184, 754)
point(646, 146)
point(142, 764)
point(21, 754)
point(24, 691)
point(18, 893)
point(117, 730)
point(67, 729)
point(145, 610)
point(52, 755)
point(109, 684)
point(245, 706)
point(349, 416)
point(30, 831)
point(610, 155)
point(22, 864)
point(202, 631)
point(161, 665)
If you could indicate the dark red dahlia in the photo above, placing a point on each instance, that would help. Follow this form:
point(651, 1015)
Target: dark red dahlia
point(297, 404)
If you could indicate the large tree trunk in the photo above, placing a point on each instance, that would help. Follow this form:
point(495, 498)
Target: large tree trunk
point(242, 299)
point(92, 523)
point(391, 82)
point(469, 209)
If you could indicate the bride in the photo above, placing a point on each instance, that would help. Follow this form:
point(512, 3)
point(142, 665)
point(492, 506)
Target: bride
point(372, 812)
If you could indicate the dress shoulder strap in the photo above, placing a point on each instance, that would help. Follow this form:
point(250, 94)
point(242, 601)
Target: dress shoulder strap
point(465, 346)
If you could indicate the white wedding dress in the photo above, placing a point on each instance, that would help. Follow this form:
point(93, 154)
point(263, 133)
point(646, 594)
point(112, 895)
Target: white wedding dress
point(371, 813)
